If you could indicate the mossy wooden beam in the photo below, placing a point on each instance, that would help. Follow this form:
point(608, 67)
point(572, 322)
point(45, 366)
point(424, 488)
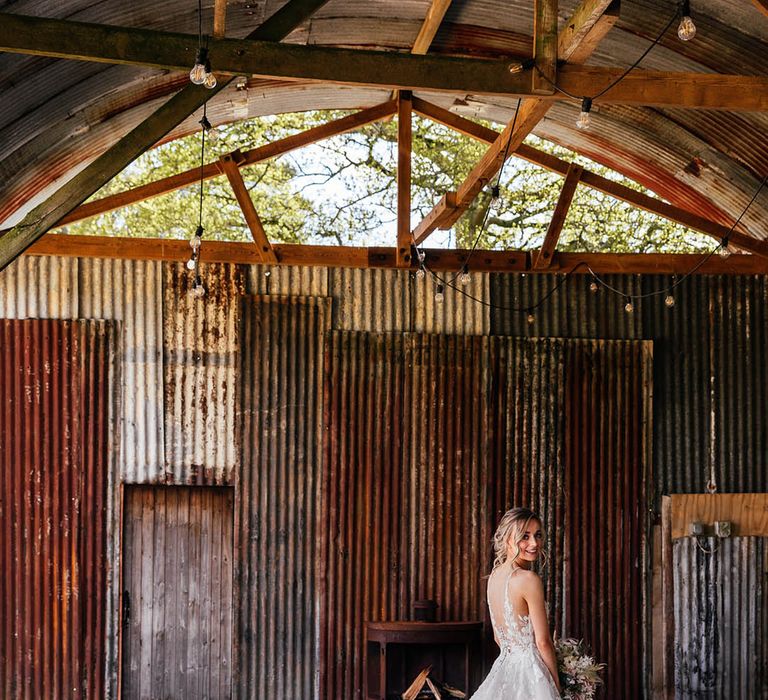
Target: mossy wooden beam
point(95, 175)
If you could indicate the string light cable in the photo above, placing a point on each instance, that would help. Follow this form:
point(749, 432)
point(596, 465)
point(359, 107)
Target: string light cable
point(597, 280)
point(193, 264)
point(586, 102)
point(463, 272)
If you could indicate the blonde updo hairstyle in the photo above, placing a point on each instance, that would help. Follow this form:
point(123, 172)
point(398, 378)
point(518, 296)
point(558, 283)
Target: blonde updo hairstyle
point(512, 528)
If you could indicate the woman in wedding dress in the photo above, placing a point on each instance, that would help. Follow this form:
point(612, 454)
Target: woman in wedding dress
point(526, 668)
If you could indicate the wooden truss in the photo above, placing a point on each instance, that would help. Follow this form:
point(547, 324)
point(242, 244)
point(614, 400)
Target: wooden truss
point(557, 57)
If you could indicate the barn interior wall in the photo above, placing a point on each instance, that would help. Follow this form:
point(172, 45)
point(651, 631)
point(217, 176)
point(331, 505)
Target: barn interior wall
point(184, 395)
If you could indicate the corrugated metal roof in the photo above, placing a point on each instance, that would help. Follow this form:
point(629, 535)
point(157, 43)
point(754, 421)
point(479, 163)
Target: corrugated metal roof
point(76, 109)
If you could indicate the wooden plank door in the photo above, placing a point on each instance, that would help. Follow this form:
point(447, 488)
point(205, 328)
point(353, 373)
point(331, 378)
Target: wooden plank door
point(177, 592)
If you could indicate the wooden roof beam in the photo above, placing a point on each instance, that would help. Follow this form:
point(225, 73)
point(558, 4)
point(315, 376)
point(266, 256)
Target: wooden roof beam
point(230, 163)
point(544, 75)
point(430, 26)
point(95, 175)
point(254, 155)
point(385, 69)
point(404, 147)
point(546, 253)
point(590, 179)
point(360, 257)
point(589, 23)
point(219, 18)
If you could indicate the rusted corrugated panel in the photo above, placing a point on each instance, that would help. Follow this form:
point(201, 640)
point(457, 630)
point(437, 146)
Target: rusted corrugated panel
point(288, 279)
point(572, 311)
point(371, 300)
point(39, 287)
point(710, 383)
point(54, 442)
point(177, 593)
point(721, 626)
point(279, 482)
point(405, 512)
point(457, 313)
point(606, 520)
point(201, 340)
point(526, 411)
point(130, 291)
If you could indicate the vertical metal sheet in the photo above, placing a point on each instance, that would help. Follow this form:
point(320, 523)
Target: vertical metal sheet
point(606, 519)
point(569, 310)
point(177, 600)
point(710, 383)
point(721, 627)
point(288, 279)
point(54, 447)
point(371, 300)
point(277, 515)
point(39, 287)
point(130, 291)
point(457, 313)
point(405, 512)
point(201, 340)
point(528, 398)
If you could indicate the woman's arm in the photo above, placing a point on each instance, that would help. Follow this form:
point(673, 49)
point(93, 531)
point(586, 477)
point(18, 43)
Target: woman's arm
point(533, 590)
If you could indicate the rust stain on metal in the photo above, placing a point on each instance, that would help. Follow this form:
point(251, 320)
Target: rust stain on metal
point(53, 495)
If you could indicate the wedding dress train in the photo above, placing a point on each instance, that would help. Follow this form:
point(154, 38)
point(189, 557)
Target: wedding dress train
point(519, 672)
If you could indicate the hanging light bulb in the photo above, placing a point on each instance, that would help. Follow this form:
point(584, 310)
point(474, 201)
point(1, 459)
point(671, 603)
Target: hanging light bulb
point(421, 273)
point(440, 294)
point(686, 30)
point(586, 107)
point(192, 262)
point(197, 290)
point(669, 300)
point(516, 67)
point(210, 78)
point(464, 277)
point(199, 72)
point(531, 319)
point(211, 132)
point(594, 287)
point(628, 307)
point(724, 252)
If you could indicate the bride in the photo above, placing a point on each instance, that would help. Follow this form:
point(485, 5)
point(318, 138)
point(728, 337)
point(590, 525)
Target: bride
point(526, 668)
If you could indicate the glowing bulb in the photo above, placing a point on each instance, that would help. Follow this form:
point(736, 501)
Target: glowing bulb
point(669, 301)
point(724, 252)
point(439, 294)
point(210, 80)
point(200, 70)
point(464, 277)
point(531, 319)
point(195, 242)
point(191, 263)
point(628, 307)
point(586, 107)
point(198, 75)
point(594, 287)
point(686, 30)
point(421, 273)
point(197, 290)
point(516, 67)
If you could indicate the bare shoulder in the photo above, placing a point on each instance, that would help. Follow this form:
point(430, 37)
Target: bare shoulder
point(530, 581)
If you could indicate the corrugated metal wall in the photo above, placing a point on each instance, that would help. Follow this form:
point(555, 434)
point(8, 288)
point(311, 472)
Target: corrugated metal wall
point(528, 396)
point(431, 437)
point(54, 473)
point(278, 487)
point(405, 513)
point(608, 390)
point(721, 624)
point(709, 374)
point(178, 418)
point(201, 341)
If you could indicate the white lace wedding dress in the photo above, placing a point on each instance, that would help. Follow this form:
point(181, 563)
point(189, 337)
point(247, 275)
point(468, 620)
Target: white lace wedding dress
point(519, 672)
